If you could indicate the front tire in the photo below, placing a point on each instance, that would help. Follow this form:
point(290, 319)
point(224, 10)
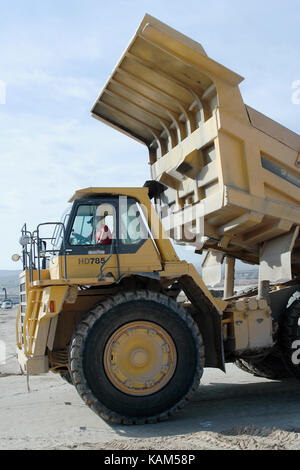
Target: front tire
point(136, 358)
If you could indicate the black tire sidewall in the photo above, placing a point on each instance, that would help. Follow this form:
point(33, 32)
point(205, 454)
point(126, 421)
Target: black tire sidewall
point(290, 332)
point(186, 367)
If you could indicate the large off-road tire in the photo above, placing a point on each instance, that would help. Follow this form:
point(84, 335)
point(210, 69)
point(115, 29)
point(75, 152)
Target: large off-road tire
point(65, 375)
point(289, 337)
point(270, 367)
point(136, 358)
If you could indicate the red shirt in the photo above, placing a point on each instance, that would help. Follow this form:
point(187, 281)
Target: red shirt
point(104, 236)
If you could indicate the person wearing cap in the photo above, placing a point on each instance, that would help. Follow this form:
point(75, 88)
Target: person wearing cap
point(103, 235)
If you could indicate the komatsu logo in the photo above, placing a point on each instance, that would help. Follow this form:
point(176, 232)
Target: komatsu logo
point(280, 171)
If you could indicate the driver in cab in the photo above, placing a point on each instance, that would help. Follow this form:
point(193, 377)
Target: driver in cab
point(103, 235)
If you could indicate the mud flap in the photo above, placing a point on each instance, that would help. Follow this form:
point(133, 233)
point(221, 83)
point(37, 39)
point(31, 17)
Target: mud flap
point(209, 322)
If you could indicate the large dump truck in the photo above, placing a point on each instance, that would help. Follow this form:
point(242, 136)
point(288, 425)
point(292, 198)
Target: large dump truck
point(101, 300)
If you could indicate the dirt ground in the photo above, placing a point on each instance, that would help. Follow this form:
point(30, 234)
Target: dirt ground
point(229, 411)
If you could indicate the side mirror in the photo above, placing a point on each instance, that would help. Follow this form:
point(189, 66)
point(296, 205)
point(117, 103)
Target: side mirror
point(24, 240)
point(15, 257)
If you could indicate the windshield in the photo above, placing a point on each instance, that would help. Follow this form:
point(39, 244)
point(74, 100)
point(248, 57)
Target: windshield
point(93, 224)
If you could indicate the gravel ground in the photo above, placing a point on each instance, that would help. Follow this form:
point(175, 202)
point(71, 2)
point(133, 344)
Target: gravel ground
point(229, 411)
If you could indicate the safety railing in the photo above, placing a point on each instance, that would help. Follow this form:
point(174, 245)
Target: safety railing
point(36, 251)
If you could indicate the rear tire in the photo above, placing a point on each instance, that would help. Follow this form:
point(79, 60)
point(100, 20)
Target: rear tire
point(279, 363)
point(271, 367)
point(136, 358)
point(66, 376)
point(290, 334)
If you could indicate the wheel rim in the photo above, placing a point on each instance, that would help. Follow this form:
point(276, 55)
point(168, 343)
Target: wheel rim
point(140, 358)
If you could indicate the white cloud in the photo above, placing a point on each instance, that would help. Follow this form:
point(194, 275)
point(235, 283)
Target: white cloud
point(55, 85)
point(43, 162)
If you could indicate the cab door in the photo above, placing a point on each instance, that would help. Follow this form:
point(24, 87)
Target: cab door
point(105, 237)
point(136, 247)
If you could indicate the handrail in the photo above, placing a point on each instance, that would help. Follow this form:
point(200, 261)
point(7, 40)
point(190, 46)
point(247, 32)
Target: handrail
point(19, 343)
point(32, 251)
point(51, 251)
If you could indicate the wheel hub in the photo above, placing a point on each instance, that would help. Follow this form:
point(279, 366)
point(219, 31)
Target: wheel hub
point(140, 358)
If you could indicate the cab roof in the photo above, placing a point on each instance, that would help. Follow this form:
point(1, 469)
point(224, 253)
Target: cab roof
point(138, 193)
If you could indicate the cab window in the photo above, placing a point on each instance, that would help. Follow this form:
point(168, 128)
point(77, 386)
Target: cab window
point(94, 224)
point(133, 228)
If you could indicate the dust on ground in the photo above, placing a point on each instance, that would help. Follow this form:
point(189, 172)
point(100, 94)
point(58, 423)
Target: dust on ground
point(244, 438)
point(232, 411)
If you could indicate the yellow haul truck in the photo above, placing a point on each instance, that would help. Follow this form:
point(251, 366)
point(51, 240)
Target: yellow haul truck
point(101, 301)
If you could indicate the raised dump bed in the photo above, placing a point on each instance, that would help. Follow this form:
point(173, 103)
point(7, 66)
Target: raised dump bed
point(215, 156)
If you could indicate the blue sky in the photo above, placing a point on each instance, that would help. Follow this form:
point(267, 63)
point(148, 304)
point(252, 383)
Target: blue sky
point(55, 56)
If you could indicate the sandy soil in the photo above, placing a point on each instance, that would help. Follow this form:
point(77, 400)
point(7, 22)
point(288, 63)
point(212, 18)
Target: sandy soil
point(232, 411)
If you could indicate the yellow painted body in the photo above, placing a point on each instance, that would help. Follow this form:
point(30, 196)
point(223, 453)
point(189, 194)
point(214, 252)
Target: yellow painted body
point(140, 358)
point(79, 267)
point(220, 161)
point(216, 156)
point(35, 328)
